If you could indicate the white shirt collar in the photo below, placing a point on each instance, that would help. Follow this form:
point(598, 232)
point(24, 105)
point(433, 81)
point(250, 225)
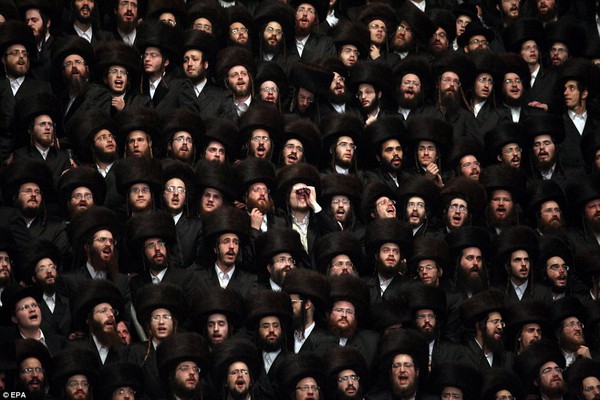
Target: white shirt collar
point(340, 170)
point(15, 84)
point(94, 273)
point(199, 87)
point(128, 38)
point(160, 275)
point(87, 35)
point(274, 287)
point(105, 171)
point(177, 217)
point(477, 107)
point(299, 339)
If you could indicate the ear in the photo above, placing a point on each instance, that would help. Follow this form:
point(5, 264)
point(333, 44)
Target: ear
point(379, 94)
point(584, 94)
point(166, 63)
point(499, 158)
point(206, 65)
point(270, 268)
point(14, 319)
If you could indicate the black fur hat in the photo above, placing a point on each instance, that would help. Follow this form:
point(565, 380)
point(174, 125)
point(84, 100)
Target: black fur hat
point(480, 305)
point(333, 244)
point(133, 170)
point(34, 252)
point(166, 295)
point(230, 57)
point(117, 375)
point(154, 33)
point(25, 171)
point(83, 226)
point(309, 76)
point(236, 350)
point(462, 376)
point(278, 240)
point(388, 230)
point(267, 303)
point(153, 224)
point(307, 132)
point(16, 32)
point(422, 26)
point(217, 176)
point(310, 284)
point(253, 170)
point(226, 219)
point(521, 31)
point(89, 295)
point(351, 33)
point(179, 348)
point(501, 135)
point(70, 362)
point(82, 176)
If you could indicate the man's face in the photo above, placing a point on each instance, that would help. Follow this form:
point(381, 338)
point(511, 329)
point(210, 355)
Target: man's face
point(238, 33)
point(228, 249)
point(544, 151)
point(77, 388)
point(425, 320)
point(551, 217)
point(340, 208)
point(155, 251)
point(341, 265)
point(217, 328)
point(471, 261)
point(520, 265)
point(426, 153)
point(269, 92)
point(42, 131)
point(123, 333)
point(127, 13)
point(174, 195)
point(84, 10)
point(557, 271)
point(571, 334)
point(477, 42)
point(573, 96)
point(140, 197)
point(348, 385)
point(306, 18)
point(457, 213)
point(104, 317)
point(404, 375)
point(368, 97)
point(182, 146)
point(260, 144)
point(304, 99)
point(591, 214)
point(194, 65)
point(509, 8)
point(403, 38)
point(29, 318)
point(238, 380)
point(299, 197)
point(342, 319)
point(293, 152)
point(470, 167)
point(493, 327)
point(461, 23)
point(117, 79)
point(203, 24)
point(511, 155)
point(501, 204)
point(81, 199)
point(29, 199)
point(389, 256)
point(238, 80)
point(33, 381)
point(391, 155)
point(530, 52)
point(484, 84)
point(429, 272)
point(591, 388)
point(307, 389)
point(449, 83)
point(378, 32)
point(16, 61)
point(139, 144)
point(153, 61)
point(212, 199)
point(272, 37)
point(344, 151)
point(416, 214)
point(550, 381)
point(45, 272)
point(349, 55)
point(215, 151)
point(546, 9)
point(385, 208)
point(161, 324)
point(270, 333)
point(279, 267)
point(5, 268)
point(34, 20)
point(512, 87)
point(258, 197)
point(186, 379)
point(439, 41)
point(337, 88)
point(102, 252)
point(559, 54)
point(410, 89)
point(529, 333)
point(104, 144)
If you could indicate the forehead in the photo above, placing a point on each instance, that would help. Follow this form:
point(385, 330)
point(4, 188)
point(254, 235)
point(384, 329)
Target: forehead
point(26, 300)
point(402, 358)
point(103, 233)
point(16, 47)
point(175, 182)
point(73, 57)
point(257, 185)
point(150, 240)
point(137, 135)
point(31, 362)
point(341, 257)
point(30, 185)
point(214, 143)
point(471, 251)
point(458, 201)
point(140, 186)
point(100, 306)
point(540, 138)
point(32, 13)
point(501, 193)
point(511, 75)
point(305, 5)
point(268, 83)
point(345, 139)
point(260, 132)
point(366, 86)
point(237, 365)
point(274, 24)
point(238, 69)
point(343, 304)
point(390, 245)
point(230, 236)
point(550, 364)
point(212, 191)
point(237, 24)
point(269, 320)
point(217, 318)
point(449, 74)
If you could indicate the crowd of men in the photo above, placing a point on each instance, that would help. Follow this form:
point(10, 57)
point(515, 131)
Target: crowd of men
point(303, 199)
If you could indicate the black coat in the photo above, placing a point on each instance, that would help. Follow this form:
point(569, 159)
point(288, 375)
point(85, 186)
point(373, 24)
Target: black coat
point(569, 150)
point(189, 241)
point(96, 96)
point(318, 341)
point(59, 321)
point(210, 100)
point(474, 357)
point(317, 48)
point(172, 93)
point(87, 342)
point(57, 160)
point(392, 292)
point(242, 282)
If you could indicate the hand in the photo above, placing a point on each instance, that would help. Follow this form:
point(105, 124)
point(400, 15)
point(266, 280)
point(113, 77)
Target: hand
point(433, 173)
point(374, 52)
point(370, 120)
point(584, 351)
point(537, 104)
point(118, 103)
point(256, 218)
point(312, 197)
point(239, 204)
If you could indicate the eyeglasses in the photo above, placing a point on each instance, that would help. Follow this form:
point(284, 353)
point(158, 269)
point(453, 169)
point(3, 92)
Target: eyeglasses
point(418, 205)
point(79, 196)
point(441, 35)
point(76, 63)
point(555, 210)
point(337, 202)
point(5, 260)
point(457, 207)
point(515, 81)
point(591, 388)
point(105, 137)
point(268, 89)
point(150, 55)
point(305, 388)
point(105, 240)
point(405, 365)
point(348, 52)
point(137, 190)
point(426, 316)
point(574, 324)
point(30, 191)
point(44, 124)
point(118, 71)
point(235, 31)
point(345, 145)
point(265, 139)
point(74, 384)
point(447, 80)
point(414, 83)
point(18, 53)
point(549, 370)
point(556, 267)
point(260, 189)
point(471, 164)
point(512, 150)
point(428, 148)
point(455, 396)
point(45, 268)
point(483, 79)
point(342, 264)
point(404, 28)
point(153, 245)
point(289, 147)
point(479, 41)
point(186, 368)
point(30, 370)
point(303, 99)
point(339, 78)
point(278, 32)
point(124, 392)
point(173, 189)
point(339, 310)
point(107, 310)
point(131, 4)
point(303, 10)
point(236, 372)
point(351, 378)
point(385, 202)
point(27, 307)
point(181, 139)
point(427, 267)
point(285, 260)
point(157, 318)
point(203, 27)
point(497, 321)
point(377, 27)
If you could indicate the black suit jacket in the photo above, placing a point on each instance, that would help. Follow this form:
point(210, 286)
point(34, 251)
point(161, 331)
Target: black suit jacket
point(52, 229)
point(137, 355)
point(317, 47)
point(242, 282)
point(172, 93)
point(96, 96)
point(210, 100)
point(392, 292)
point(57, 160)
point(319, 341)
point(87, 342)
point(569, 150)
point(366, 341)
point(488, 118)
point(42, 62)
point(59, 321)
point(189, 241)
point(54, 343)
point(462, 121)
point(474, 356)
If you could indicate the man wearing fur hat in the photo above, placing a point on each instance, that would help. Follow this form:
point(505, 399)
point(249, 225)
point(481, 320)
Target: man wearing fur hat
point(526, 322)
point(279, 251)
point(310, 45)
point(236, 71)
point(547, 209)
point(342, 134)
point(75, 375)
point(274, 29)
point(388, 243)
point(302, 377)
point(217, 315)
point(79, 189)
point(237, 370)
point(261, 128)
point(368, 84)
point(541, 368)
point(429, 260)
point(339, 253)
point(412, 77)
point(127, 16)
point(584, 379)
point(138, 182)
point(482, 316)
point(584, 197)
point(504, 144)
point(345, 367)
point(414, 29)
point(568, 318)
point(34, 364)
point(419, 201)
point(463, 202)
point(121, 381)
point(182, 365)
point(504, 187)
point(84, 22)
point(311, 81)
point(38, 16)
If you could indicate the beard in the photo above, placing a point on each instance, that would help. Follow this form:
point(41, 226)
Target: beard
point(342, 332)
point(37, 394)
point(241, 91)
point(237, 394)
point(471, 284)
point(496, 345)
point(545, 165)
point(555, 392)
point(12, 71)
point(108, 339)
point(268, 48)
point(496, 222)
point(553, 227)
point(110, 266)
point(429, 334)
point(388, 167)
point(154, 266)
point(341, 395)
point(269, 346)
point(77, 84)
point(29, 211)
point(264, 207)
point(415, 102)
point(385, 271)
point(372, 107)
point(343, 163)
point(183, 392)
point(403, 393)
point(48, 288)
point(451, 101)
point(339, 98)
point(5, 280)
point(511, 102)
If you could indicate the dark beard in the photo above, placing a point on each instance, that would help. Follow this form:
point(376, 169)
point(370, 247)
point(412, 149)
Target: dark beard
point(10, 71)
point(5, 280)
point(593, 225)
point(106, 157)
point(182, 392)
point(235, 395)
point(84, 20)
point(500, 223)
point(468, 284)
point(77, 86)
point(268, 49)
point(108, 339)
point(549, 16)
point(110, 266)
point(387, 166)
point(387, 272)
point(509, 101)
point(451, 101)
point(340, 332)
point(495, 345)
point(374, 105)
point(430, 335)
point(48, 288)
point(263, 207)
point(410, 104)
point(237, 92)
point(544, 165)
point(31, 212)
point(264, 345)
point(556, 229)
point(406, 393)
point(556, 391)
point(36, 394)
point(343, 163)
point(158, 267)
point(341, 98)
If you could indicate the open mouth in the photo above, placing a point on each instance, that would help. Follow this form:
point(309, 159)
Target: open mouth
point(474, 270)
